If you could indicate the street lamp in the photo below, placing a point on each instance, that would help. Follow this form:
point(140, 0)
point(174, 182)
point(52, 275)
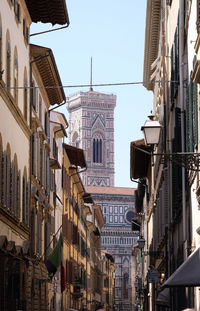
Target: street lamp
point(141, 242)
point(151, 130)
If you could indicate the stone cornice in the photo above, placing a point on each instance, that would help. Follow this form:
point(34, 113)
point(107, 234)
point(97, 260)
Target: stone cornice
point(151, 39)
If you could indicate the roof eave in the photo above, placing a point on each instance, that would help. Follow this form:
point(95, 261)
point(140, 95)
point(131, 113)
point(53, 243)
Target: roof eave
point(151, 40)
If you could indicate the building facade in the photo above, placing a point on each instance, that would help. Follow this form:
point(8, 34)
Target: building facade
point(169, 197)
point(117, 205)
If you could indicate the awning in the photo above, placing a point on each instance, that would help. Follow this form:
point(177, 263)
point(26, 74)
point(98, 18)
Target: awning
point(163, 297)
point(139, 159)
point(45, 11)
point(75, 155)
point(188, 274)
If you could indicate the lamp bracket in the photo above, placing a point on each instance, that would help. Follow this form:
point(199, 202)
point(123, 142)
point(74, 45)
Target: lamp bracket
point(189, 160)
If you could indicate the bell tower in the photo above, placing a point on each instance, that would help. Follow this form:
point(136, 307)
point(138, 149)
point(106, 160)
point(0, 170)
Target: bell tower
point(91, 127)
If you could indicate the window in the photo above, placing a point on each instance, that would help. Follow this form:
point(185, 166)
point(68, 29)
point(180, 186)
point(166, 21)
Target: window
point(13, 188)
point(15, 77)
point(125, 286)
point(8, 60)
point(25, 96)
point(17, 10)
point(40, 108)
point(97, 150)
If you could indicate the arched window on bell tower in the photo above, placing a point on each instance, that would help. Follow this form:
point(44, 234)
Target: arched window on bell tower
point(97, 150)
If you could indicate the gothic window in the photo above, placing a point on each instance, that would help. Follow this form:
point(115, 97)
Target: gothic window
point(25, 96)
point(125, 285)
point(40, 108)
point(25, 200)
point(8, 180)
point(15, 77)
point(8, 62)
point(13, 188)
point(97, 150)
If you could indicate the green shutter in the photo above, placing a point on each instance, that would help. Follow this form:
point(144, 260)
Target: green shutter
point(195, 113)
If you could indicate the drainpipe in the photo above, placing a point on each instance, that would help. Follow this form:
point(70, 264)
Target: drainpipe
point(181, 100)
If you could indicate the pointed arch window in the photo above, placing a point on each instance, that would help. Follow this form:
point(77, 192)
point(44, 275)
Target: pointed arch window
point(16, 79)
point(8, 62)
point(125, 285)
point(25, 201)
point(13, 189)
point(97, 150)
point(25, 97)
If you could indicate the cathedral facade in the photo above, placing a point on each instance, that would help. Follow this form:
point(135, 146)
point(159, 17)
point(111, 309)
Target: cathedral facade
point(91, 127)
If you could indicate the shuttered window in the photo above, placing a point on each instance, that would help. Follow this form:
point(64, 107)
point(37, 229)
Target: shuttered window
point(18, 204)
point(4, 171)
point(23, 199)
point(26, 196)
point(191, 117)
point(174, 67)
point(8, 181)
point(176, 169)
point(198, 15)
point(13, 188)
point(8, 63)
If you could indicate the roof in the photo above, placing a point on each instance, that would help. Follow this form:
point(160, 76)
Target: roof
point(46, 65)
point(45, 11)
point(110, 190)
point(139, 159)
point(75, 155)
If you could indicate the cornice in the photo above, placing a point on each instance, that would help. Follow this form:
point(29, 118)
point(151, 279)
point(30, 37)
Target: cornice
point(151, 39)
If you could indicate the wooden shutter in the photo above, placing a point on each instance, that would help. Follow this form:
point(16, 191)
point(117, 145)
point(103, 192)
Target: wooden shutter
point(23, 198)
point(8, 180)
point(27, 210)
point(38, 158)
point(64, 225)
point(48, 176)
point(14, 192)
point(195, 113)
point(18, 205)
point(4, 172)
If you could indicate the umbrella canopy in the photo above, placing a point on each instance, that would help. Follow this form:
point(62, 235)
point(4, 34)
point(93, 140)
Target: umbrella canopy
point(188, 274)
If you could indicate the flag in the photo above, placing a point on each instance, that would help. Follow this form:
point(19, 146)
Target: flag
point(54, 259)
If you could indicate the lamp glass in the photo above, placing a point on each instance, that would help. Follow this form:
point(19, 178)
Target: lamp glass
point(151, 130)
point(141, 242)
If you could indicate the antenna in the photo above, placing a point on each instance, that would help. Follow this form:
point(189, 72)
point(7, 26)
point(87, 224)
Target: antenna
point(91, 89)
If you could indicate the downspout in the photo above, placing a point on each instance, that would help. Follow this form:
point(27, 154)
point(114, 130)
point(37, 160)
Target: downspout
point(181, 101)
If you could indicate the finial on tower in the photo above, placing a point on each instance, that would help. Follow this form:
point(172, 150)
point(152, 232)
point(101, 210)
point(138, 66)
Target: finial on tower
point(91, 89)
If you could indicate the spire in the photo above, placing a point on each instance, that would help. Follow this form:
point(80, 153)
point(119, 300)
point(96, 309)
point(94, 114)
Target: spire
point(91, 89)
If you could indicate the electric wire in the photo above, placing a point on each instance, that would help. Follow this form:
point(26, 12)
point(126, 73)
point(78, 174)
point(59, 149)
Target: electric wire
point(85, 85)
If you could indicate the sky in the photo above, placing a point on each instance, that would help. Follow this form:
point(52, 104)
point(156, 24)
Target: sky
point(112, 32)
